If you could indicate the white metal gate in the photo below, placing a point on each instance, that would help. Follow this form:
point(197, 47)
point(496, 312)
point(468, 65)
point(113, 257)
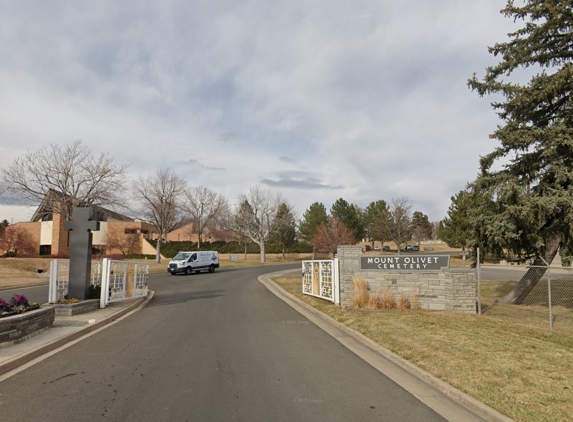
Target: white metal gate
point(118, 280)
point(59, 278)
point(320, 279)
point(123, 280)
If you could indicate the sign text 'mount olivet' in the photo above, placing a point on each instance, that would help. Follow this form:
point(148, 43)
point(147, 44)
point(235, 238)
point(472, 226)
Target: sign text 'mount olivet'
point(405, 262)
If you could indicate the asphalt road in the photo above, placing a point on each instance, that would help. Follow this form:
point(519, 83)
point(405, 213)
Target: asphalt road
point(503, 273)
point(208, 347)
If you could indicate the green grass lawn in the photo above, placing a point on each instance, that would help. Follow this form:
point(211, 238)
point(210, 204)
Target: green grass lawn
point(523, 372)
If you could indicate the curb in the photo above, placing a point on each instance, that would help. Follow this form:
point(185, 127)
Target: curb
point(27, 357)
point(459, 396)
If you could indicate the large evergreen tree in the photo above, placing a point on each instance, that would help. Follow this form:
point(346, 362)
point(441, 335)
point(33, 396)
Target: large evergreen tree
point(529, 176)
point(376, 221)
point(284, 228)
point(350, 215)
point(421, 226)
point(311, 219)
point(457, 229)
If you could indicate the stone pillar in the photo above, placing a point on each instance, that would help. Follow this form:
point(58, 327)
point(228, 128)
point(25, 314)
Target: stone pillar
point(349, 261)
point(460, 290)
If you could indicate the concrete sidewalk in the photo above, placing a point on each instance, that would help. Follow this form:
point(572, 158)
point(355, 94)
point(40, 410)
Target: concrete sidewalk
point(65, 330)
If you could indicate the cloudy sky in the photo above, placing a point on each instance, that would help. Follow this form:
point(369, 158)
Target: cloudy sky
point(318, 100)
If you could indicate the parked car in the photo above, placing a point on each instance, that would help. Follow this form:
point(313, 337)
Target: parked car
point(386, 248)
point(411, 248)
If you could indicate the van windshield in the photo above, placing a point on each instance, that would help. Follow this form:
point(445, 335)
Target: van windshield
point(181, 256)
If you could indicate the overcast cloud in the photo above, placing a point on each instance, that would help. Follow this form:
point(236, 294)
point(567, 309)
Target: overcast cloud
point(361, 100)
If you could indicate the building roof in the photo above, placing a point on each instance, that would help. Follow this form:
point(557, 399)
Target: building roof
point(44, 208)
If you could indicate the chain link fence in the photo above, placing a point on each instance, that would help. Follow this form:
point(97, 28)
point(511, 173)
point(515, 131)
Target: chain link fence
point(548, 304)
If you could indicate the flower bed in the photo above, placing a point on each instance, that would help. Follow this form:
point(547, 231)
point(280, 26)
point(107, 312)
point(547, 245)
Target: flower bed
point(17, 305)
point(20, 320)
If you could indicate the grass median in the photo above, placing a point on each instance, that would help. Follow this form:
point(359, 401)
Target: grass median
point(523, 372)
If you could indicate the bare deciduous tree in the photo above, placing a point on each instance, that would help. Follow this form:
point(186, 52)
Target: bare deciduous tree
point(15, 239)
point(205, 207)
point(160, 197)
point(400, 221)
point(255, 214)
point(125, 240)
point(329, 236)
point(64, 177)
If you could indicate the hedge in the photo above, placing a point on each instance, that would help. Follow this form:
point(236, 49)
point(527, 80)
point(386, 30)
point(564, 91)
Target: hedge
point(170, 249)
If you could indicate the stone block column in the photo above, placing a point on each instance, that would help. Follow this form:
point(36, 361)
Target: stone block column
point(349, 261)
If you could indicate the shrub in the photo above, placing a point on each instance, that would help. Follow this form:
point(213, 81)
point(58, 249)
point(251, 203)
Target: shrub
point(95, 292)
point(374, 302)
point(403, 303)
point(388, 301)
point(361, 297)
point(416, 299)
point(416, 303)
point(170, 249)
point(138, 256)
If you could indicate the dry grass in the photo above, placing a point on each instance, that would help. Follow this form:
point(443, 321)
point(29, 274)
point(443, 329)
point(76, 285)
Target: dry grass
point(373, 302)
point(361, 297)
point(403, 303)
point(416, 303)
point(388, 301)
point(524, 372)
point(19, 272)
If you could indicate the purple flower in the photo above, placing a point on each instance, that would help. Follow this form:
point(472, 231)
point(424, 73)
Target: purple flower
point(3, 304)
point(19, 300)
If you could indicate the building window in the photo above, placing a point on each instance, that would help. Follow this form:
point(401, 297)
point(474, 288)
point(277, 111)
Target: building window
point(48, 217)
point(98, 250)
point(45, 249)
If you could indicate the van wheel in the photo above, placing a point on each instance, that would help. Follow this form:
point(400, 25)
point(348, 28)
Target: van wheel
point(188, 271)
point(212, 269)
point(173, 273)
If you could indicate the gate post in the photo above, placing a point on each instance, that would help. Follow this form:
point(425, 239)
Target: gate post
point(53, 289)
point(336, 281)
point(104, 292)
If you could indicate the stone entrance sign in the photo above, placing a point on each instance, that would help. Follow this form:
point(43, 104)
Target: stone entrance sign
point(405, 262)
point(84, 221)
point(425, 279)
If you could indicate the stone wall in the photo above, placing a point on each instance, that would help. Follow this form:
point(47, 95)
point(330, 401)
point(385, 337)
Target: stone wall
point(71, 309)
point(448, 289)
point(17, 328)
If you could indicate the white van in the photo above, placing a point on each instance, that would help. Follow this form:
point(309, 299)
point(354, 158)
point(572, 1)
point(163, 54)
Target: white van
point(187, 262)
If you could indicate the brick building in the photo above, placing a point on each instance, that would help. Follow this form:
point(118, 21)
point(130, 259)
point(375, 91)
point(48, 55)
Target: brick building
point(118, 233)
